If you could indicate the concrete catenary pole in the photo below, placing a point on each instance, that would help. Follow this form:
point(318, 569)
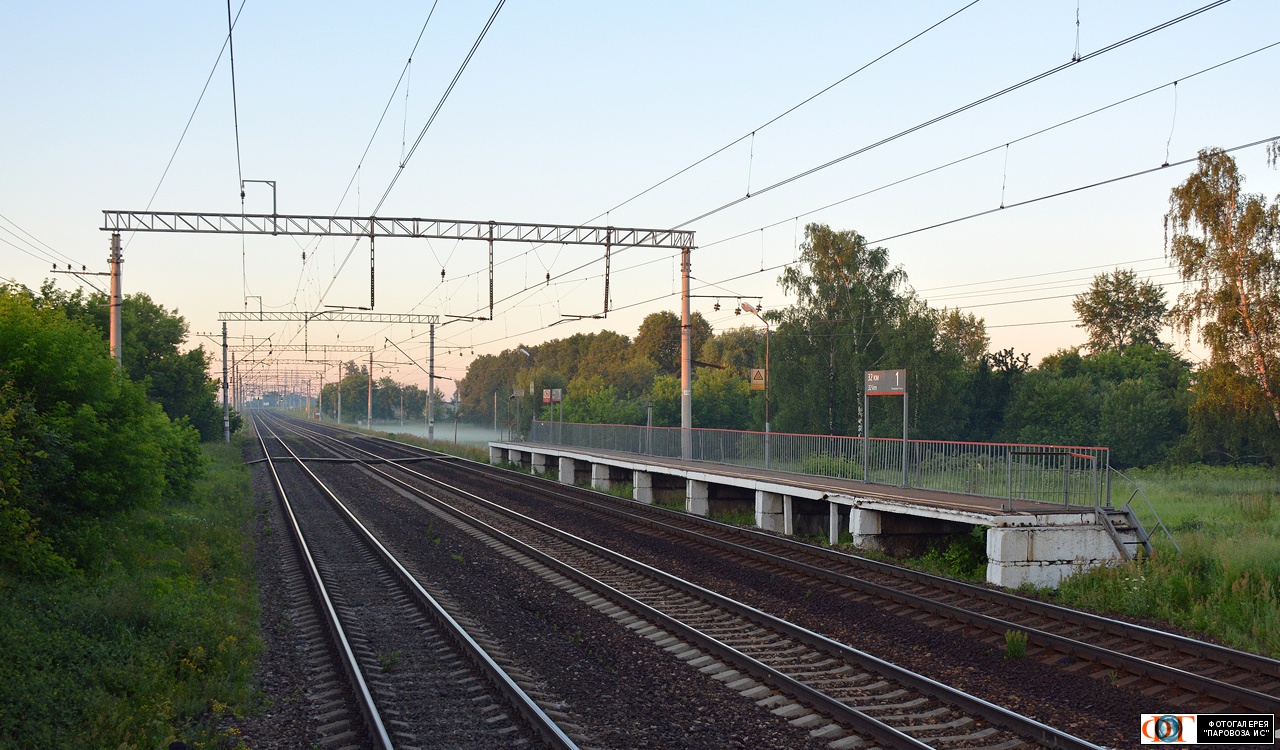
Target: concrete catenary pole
point(117, 262)
point(369, 421)
point(226, 390)
point(431, 383)
point(686, 360)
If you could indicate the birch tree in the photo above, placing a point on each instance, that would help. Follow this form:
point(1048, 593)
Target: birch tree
point(1223, 243)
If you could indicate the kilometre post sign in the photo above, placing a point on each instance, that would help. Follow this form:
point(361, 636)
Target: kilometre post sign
point(886, 382)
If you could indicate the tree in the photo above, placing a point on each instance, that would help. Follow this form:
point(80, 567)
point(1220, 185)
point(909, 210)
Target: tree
point(847, 301)
point(1224, 244)
point(87, 439)
point(150, 339)
point(659, 339)
point(737, 348)
point(1119, 311)
point(964, 335)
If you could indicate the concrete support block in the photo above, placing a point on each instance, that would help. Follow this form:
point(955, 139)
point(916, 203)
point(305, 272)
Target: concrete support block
point(833, 522)
point(642, 484)
point(519, 458)
point(1044, 555)
point(539, 461)
point(600, 479)
point(770, 511)
point(696, 497)
point(568, 470)
point(788, 515)
point(865, 526)
point(497, 455)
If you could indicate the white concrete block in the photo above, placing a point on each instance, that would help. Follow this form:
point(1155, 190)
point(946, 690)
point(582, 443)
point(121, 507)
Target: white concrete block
point(567, 469)
point(539, 461)
point(865, 527)
point(770, 510)
point(788, 515)
point(833, 522)
point(696, 497)
point(496, 455)
point(642, 484)
point(600, 479)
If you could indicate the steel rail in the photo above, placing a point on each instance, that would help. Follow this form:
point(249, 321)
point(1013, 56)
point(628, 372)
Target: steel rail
point(537, 719)
point(373, 719)
point(1244, 697)
point(997, 715)
point(1241, 696)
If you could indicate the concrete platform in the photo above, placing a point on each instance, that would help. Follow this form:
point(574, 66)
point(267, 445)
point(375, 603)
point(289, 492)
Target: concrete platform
point(1027, 542)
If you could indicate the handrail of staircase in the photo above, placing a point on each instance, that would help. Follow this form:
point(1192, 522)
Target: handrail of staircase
point(1137, 490)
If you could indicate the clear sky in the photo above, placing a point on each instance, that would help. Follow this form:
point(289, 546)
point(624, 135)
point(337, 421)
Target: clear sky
point(569, 109)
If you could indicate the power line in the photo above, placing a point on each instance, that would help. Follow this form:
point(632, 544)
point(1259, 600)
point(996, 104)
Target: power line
point(196, 108)
point(235, 109)
point(963, 108)
point(788, 111)
point(769, 122)
point(1061, 193)
point(439, 105)
point(997, 147)
point(37, 243)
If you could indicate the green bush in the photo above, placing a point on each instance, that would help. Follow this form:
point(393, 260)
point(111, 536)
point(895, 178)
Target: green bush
point(152, 643)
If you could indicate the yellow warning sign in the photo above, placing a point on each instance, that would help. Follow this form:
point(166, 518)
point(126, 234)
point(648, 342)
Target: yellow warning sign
point(757, 379)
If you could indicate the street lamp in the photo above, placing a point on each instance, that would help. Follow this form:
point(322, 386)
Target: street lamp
point(756, 313)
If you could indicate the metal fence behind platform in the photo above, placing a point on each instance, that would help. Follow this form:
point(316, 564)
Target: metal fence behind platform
point(1069, 475)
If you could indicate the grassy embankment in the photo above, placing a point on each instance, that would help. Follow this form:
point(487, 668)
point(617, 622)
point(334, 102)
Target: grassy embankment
point(152, 638)
point(1226, 581)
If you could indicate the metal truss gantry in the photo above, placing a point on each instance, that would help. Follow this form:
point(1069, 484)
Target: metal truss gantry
point(365, 226)
point(446, 229)
point(338, 316)
point(318, 348)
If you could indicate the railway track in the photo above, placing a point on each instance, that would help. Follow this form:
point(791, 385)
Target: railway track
point(1184, 672)
point(837, 692)
point(418, 675)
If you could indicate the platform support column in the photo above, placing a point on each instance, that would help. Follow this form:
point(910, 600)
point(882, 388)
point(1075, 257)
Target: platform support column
point(770, 510)
point(697, 497)
point(865, 526)
point(600, 477)
point(642, 482)
point(788, 515)
point(567, 470)
point(539, 462)
point(833, 522)
point(496, 454)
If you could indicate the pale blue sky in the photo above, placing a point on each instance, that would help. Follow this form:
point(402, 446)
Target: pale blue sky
point(568, 109)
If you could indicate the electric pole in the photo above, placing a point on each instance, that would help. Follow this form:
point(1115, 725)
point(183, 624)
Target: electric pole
point(686, 360)
point(431, 384)
point(116, 260)
point(369, 424)
point(226, 384)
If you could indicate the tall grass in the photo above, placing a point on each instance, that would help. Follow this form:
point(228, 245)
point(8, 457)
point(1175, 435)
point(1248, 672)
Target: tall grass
point(1226, 581)
point(150, 642)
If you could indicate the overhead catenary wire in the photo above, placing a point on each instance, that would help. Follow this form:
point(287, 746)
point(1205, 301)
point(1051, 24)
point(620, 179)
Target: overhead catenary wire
point(974, 215)
point(421, 135)
point(958, 110)
point(790, 110)
point(235, 107)
point(991, 149)
point(192, 116)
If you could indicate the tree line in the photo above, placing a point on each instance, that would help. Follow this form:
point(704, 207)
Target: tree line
point(853, 310)
point(391, 400)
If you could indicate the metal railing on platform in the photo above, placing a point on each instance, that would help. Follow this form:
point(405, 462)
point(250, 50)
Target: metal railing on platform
point(1068, 475)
